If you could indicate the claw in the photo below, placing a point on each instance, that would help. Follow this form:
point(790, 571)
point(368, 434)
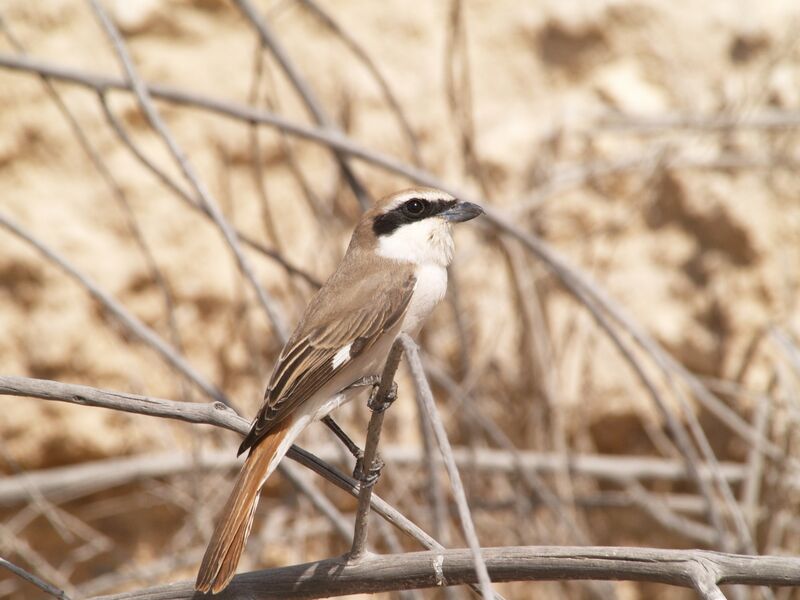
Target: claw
point(380, 404)
point(374, 473)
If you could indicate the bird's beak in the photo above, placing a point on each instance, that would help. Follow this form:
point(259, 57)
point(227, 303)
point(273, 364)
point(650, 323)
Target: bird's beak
point(463, 211)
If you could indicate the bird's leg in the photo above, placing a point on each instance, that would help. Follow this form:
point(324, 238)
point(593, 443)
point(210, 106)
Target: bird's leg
point(372, 380)
point(352, 447)
point(375, 403)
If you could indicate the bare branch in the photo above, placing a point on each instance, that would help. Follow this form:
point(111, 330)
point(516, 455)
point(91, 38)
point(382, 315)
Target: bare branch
point(766, 119)
point(569, 275)
point(604, 310)
point(119, 194)
point(341, 524)
point(143, 96)
point(268, 40)
point(33, 579)
point(72, 481)
point(365, 58)
point(333, 139)
point(378, 404)
point(666, 517)
point(424, 390)
point(187, 198)
point(216, 414)
point(578, 283)
point(705, 577)
point(697, 569)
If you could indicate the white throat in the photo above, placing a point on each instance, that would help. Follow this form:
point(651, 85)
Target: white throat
point(426, 242)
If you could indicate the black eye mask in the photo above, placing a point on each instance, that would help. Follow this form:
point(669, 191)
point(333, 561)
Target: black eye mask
point(409, 211)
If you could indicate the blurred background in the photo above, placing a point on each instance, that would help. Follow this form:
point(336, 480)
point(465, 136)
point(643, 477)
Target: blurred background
point(652, 144)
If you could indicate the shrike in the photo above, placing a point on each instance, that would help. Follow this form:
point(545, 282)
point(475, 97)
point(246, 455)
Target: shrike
point(391, 277)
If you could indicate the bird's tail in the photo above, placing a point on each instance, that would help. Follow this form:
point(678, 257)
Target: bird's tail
point(236, 518)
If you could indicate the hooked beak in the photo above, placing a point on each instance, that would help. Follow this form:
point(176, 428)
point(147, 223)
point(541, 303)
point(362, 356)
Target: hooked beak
point(463, 211)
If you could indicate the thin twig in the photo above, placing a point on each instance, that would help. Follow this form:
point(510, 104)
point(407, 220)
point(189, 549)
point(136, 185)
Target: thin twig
point(755, 465)
point(119, 194)
point(379, 402)
point(438, 507)
point(102, 83)
point(766, 119)
point(127, 319)
point(357, 49)
point(534, 484)
point(424, 390)
point(184, 195)
point(335, 140)
point(667, 518)
point(10, 544)
point(33, 579)
point(256, 158)
point(268, 40)
point(321, 209)
point(154, 118)
point(405, 170)
point(540, 350)
point(571, 277)
point(341, 524)
point(217, 414)
point(600, 306)
point(36, 503)
point(458, 91)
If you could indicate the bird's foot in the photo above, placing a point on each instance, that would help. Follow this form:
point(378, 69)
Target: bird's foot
point(372, 475)
point(380, 404)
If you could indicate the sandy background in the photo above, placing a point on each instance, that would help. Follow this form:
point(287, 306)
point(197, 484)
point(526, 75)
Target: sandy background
point(587, 122)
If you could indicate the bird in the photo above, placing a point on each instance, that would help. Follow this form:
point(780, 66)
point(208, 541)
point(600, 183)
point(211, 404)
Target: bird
point(392, 275)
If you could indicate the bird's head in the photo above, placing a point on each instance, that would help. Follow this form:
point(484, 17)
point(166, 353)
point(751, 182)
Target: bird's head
point(414, 225)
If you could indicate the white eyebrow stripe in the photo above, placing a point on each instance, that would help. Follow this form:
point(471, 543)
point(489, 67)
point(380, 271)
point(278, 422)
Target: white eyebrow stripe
point(342, 356)
point(429, 195)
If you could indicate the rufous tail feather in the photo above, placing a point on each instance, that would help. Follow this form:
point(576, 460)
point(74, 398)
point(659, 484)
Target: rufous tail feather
point(236, 518)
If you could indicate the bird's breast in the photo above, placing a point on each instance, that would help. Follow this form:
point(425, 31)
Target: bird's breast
point(429, 290)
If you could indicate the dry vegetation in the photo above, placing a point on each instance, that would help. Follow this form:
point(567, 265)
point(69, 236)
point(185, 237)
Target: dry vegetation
point(637, 320)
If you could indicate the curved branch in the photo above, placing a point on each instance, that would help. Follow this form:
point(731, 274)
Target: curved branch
point(333, 139)
point(697, 569)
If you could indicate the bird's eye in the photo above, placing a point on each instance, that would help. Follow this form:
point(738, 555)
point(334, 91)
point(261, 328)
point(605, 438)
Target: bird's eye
point(414, 208)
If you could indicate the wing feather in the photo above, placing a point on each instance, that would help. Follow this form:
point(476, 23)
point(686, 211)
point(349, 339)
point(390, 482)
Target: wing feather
point(306, 363)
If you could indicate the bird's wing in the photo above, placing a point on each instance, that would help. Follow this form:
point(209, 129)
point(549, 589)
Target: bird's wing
point(327, 340)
